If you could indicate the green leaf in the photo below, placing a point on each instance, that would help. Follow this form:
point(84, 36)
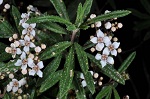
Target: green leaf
point(90, 82)
point(71, 27)
point(107, 70)
point(113, 14)
point(82, 12)
point(55, 50)
point(139, 14)
point(127, 62)
point(80, 93)
point(146, 4)
point(5, 67)
point(53, 27)
point(48, 18)
point(50, 69)
point(60, 8)
point(51, 80)
point(2, 47)
point(6, 30)
point(5, 56)
point(104, 91)
point(87, 7)
point(6, 96)
point(82, 58)
point(116, 95)
point(109, 95)
point(32, 93)
point(67, 75)
point(48, 38)
point(16, 15)
point(87, 45)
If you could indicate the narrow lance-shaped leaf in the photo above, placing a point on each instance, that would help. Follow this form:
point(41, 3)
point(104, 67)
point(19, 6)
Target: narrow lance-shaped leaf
point(116, 95)
point(16, 15)
point(113, 14)
point(126, 62)
point(50, 69)
point(104, 91)
point(109, 94)
point(32, 94)
point(5, 67)
point(6, 30)
point(47, 18)
point(60, 8)
point(82, 12)
point(90, 82)
point(107, 70)
point(53, 27)
point(51, 80)
point(82, 58)
point(5, 56)
point(54, 50)
point(67, 75)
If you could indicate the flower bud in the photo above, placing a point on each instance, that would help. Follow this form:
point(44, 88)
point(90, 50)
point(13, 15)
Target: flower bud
point(108, 25)
point(113, 29)
point(17, 43)
point(15, 36)
point(37, 49)
point(92, 16)
point(96, 75)
point(120, 25)
point(43, 46)
point(7, 6)
point(11, 76)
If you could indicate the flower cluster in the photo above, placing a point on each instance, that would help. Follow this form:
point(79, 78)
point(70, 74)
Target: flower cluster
point(105, 45)
point(26, 52)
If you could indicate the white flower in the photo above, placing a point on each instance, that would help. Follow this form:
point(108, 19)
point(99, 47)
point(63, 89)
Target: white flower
point(23, 62)
point(14, 50)
point(1, 1)
point(111, 48)
point(28, 28)
point(36, 69)
point(25, 17)
point(100, 40)
point(98, 24)
point(26, 43)
point(104, 58)
point(13, 85)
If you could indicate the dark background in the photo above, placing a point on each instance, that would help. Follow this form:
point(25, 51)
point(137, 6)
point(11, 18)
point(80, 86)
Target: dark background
point(138, 87)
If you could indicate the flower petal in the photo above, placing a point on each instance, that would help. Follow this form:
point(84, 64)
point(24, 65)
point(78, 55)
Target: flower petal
point(30, 62)
point(1, 1)
point(114, 52)
point(99, 46)
point(27, 38)
point(22, 42)
point(106, 39)
point(25, 25)
point(9, 88)
point(18, 63)
point(23, 67)
point(103, 63)
point(98, 56)
point(32, 72)
point(24, 31)
point(116, 44)
point(40, 64)
point(15, 89)
point(18, 51)
point(32, 32)
point(32, 45)
point(99, 33)
point(23, 56)
point(40, 73)
point(106, 51)
point(33, 25)
point(83, 83)
point(26, 49)
point(110, 60)
point(94, 40)
point(81, 76)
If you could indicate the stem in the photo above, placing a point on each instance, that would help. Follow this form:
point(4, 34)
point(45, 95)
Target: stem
point(74, 34)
